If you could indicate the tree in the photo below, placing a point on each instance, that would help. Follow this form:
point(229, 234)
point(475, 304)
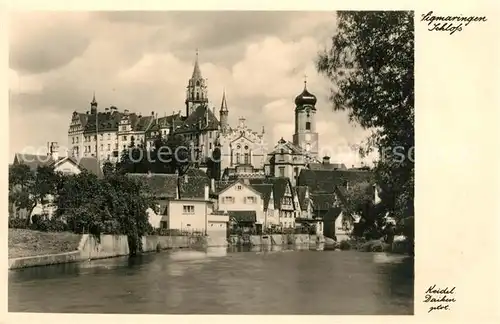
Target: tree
point(114, 205)
point(175, 155)
point(108, 169)
point(29, 188)
point(371, 67)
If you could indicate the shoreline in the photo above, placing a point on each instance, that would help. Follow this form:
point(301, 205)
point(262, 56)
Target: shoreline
point(111, 246)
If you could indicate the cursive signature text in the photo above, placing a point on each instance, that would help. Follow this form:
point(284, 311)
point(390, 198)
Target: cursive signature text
point(439, 298)
point(449, 24)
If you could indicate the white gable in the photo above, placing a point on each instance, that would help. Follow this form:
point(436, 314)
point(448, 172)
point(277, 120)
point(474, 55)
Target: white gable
point(67, 166)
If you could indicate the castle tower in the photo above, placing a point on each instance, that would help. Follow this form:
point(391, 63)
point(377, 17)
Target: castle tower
point(223, 113)
point(196, 93)
point(93, 105)
point(305, 135)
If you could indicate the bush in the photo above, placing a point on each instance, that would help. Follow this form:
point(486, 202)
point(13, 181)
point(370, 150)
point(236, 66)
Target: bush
point(17, 223)
point(345, 245)
point(44, 224)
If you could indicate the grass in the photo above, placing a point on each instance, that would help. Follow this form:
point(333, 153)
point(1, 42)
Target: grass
point(23, 242)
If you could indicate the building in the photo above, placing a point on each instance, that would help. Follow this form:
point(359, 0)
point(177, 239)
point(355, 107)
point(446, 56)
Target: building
point(182, 204)
point(243, 151)
point(62, 164)
point(329, 189)
point(105, 134)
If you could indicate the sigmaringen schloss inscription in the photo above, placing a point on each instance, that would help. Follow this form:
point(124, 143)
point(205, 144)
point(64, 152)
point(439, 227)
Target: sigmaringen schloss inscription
point(439, 299)
point(450, 24)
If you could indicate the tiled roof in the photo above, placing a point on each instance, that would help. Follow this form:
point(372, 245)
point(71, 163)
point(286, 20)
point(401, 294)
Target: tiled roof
point(265, 190)
point(91, 165)
point(193, 187)
point(165, 122)
point(287, 146)
point(300, 191)
point(108, 121)
point(221, 185)
point(245, 216)
point(324, 181)
point(161, 185)
point(197, 118)
point(33, 161)
point(323, 201)
point(279, 187)
point(327, 166)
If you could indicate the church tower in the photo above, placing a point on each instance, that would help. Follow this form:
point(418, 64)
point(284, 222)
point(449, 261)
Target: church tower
point(196, 94)
point(223, 114)
point(305, 135)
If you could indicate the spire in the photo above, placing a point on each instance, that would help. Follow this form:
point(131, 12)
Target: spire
point(223, 105)
point(94, 102)
point(196, 70)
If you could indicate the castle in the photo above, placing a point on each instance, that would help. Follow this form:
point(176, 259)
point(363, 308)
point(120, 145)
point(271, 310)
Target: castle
point(105, 134)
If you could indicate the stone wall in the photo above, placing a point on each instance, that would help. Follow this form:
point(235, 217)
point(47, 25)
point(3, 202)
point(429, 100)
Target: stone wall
point(275, 239)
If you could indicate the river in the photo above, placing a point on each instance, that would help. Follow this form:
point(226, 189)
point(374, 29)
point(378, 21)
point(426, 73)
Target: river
point(222, 281)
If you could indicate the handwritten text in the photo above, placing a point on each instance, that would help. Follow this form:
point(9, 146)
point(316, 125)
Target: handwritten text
point(439, 298)
point(449, 24)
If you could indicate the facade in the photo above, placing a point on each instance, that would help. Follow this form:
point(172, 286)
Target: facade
point(105, 135)
point(242, 151)
point(306, 136)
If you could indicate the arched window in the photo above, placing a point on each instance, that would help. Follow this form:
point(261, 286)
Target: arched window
point(197, 96)
point(198, 83)
point(308, 125)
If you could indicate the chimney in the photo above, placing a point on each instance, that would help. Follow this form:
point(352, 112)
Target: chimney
point(126, 111)
point(207, 188)
point(326, 160)
point(246, 181)
point(152, 113)
point(54, 151)
point(212, 184)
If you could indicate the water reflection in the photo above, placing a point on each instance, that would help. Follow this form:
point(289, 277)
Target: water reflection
point(261, 280)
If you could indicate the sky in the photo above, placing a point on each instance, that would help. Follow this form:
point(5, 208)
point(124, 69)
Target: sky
point(141, 61)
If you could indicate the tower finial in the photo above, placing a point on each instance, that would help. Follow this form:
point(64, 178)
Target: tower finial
point(196, 70)
point(94, 102)
point(305, 81)
point(223, 105)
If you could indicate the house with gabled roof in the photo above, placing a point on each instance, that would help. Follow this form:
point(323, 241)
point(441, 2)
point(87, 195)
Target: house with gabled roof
point(182, 203)
point(328, 191)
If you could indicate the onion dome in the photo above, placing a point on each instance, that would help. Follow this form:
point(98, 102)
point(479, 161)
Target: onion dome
point(305, 98)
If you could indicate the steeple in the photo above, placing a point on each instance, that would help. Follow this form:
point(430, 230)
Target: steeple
point(224, 112)
point(223, 105)
point(196, 71)
point(196, 93)
point(93, 105)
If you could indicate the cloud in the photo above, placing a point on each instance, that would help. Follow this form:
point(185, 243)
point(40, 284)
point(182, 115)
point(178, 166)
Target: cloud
point(36, 49)
point(142, 61)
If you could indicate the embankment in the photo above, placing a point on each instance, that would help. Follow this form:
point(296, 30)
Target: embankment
point(109, 246)
point(275, 239)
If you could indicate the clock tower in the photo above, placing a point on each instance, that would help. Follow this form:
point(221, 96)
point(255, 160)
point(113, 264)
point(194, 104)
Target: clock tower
point(305, 135)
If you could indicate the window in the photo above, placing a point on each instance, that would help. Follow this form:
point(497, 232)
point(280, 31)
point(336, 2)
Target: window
point(250, 200)
point(124, 137)
point(210, 145)
point(209, 134)
point(247, 158)
point(102, 147)
point(109, 147)
point(281, 171)
point(73, 140)
point(308, 125)
point(238, 187)
point(237, 158)
point(188, 209)
point(116, 146)
point(228, 200)
point(102, 136)
point(77, 140)
point(109, 135)
point(124, 147)
point(197, 96)
point(296, 172)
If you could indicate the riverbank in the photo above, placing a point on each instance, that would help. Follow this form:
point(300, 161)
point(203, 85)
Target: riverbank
point(28, 243)
point(29, 248)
